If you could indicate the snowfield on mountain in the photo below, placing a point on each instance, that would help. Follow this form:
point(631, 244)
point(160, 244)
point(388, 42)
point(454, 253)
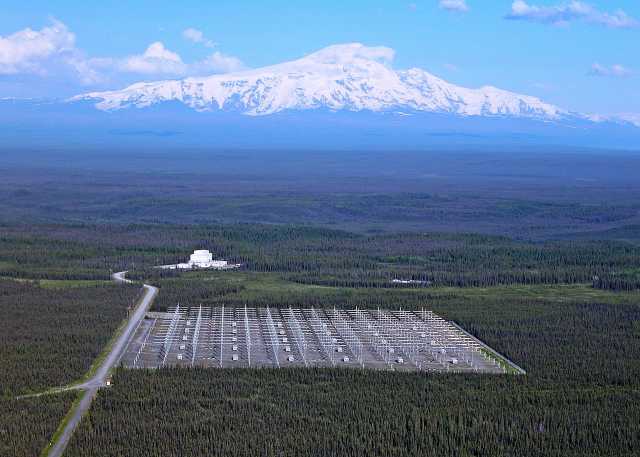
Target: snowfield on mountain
point(350, 77)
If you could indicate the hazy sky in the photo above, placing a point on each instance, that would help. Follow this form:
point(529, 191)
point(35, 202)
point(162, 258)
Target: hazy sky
point(582, 56)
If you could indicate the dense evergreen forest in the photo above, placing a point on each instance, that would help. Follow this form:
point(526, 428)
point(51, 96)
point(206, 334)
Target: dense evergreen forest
point(579, 397)
point(50, 337)
point(567, 311)
point(318, 256)
point(27, 424)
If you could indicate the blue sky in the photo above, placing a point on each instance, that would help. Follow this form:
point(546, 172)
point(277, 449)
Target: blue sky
point(580, 55)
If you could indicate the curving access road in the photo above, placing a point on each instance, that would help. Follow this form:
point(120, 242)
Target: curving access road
point(99, 379)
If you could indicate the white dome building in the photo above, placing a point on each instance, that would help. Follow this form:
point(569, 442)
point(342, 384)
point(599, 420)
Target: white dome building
point(201, 257)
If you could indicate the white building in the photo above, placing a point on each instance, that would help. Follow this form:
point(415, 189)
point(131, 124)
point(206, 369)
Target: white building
point(201, 258)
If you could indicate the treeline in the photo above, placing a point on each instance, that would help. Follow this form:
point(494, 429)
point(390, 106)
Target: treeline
point(384, 279)
point(315, 256)
point(618, 282)
point(50, 337)
point(261, 290)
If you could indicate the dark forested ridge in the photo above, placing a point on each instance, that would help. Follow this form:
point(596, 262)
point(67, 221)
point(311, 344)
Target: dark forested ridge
point(527, 195)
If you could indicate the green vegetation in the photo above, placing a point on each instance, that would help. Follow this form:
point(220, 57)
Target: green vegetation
point(352, 413)
point(27, 424)
point(580, 347)
point(51, 337)
point(79, 395)
point(506, 366)
point(628, 279)
point(260, 289)
point(341, 259)
point(316, 256)
point(496, 315)
point(543, 305)
point(67, 283)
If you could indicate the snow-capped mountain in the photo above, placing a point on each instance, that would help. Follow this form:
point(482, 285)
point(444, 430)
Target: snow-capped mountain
point(349, 77)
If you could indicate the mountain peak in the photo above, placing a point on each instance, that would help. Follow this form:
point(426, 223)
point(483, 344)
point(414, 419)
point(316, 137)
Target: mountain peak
point(350, 53)
point(351, 77)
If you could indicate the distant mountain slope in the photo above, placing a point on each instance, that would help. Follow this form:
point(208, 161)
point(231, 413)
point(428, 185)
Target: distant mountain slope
point(348, 77)
point(341, 97)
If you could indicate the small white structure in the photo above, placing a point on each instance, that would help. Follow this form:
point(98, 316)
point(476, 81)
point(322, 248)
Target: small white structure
point(234, 357)
point(179, 356)
point(410, 281)
point(201, 258)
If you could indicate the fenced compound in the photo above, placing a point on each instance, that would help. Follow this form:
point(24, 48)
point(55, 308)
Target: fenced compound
point(227, 337)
